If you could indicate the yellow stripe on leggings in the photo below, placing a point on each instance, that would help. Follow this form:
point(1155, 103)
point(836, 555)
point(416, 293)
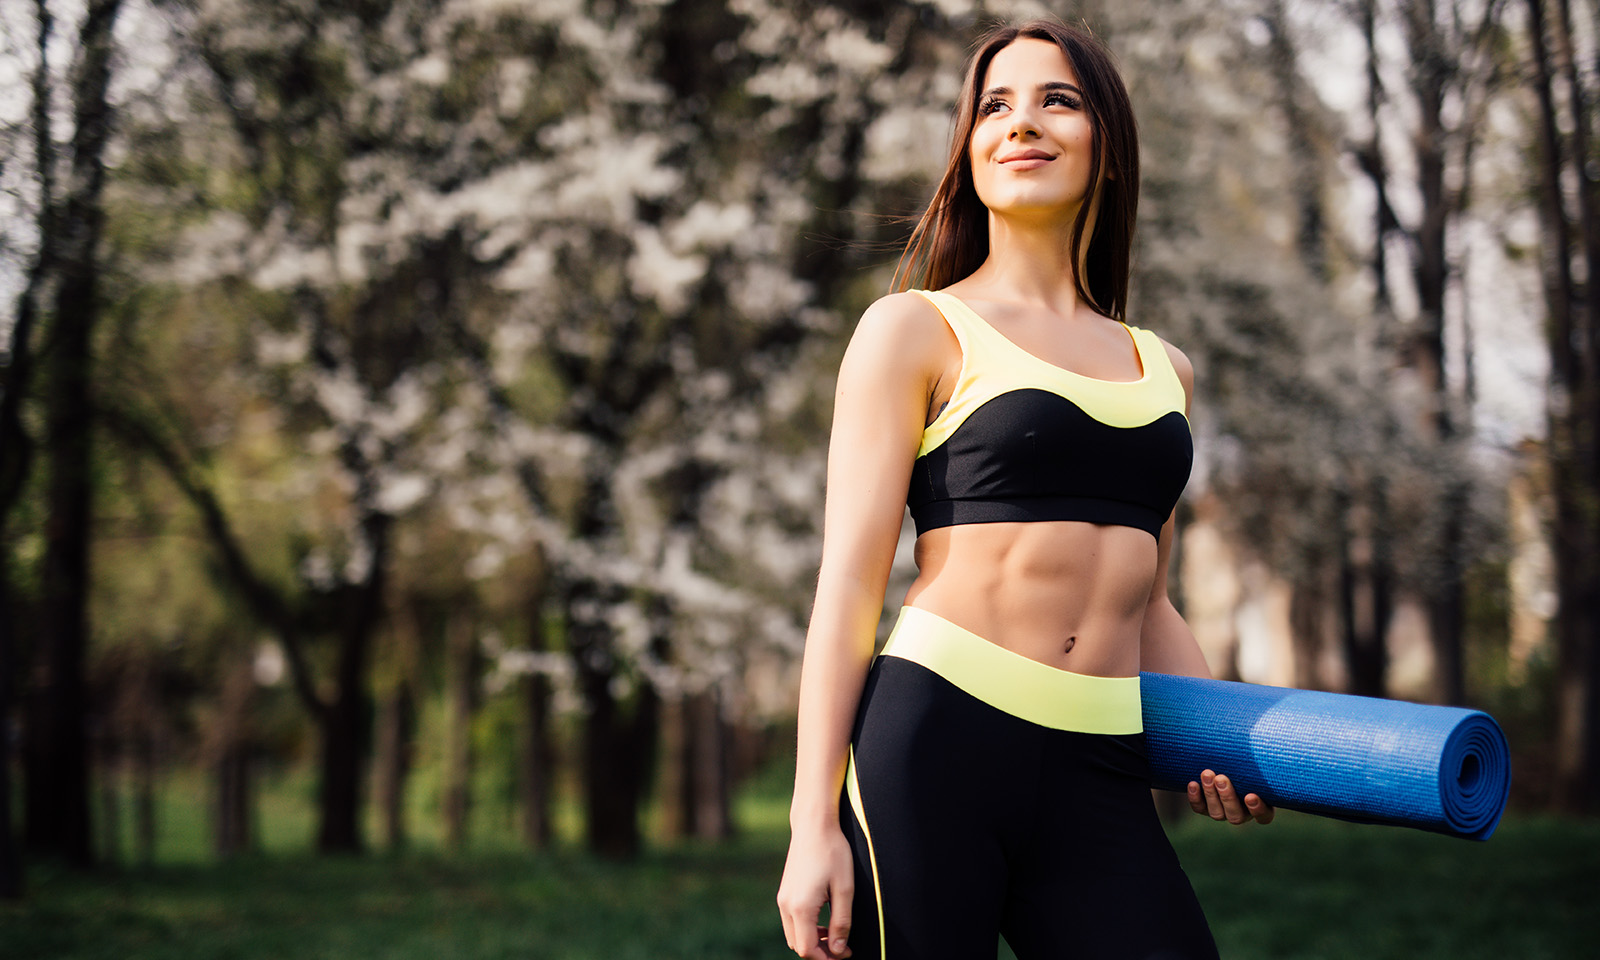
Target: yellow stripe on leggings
point(854, 789)
point(1037, 692)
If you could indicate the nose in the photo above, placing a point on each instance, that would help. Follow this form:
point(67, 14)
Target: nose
point(1022, 124)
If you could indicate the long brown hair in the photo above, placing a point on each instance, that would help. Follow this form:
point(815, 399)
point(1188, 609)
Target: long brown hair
point(952, 238)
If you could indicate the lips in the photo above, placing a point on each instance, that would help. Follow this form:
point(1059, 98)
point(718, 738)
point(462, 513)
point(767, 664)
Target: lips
point(1023, 155)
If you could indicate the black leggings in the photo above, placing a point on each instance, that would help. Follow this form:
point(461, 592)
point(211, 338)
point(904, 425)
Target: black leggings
point(979, 823)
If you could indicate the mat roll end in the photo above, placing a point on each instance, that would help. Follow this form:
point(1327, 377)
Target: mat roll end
point(1445, 769)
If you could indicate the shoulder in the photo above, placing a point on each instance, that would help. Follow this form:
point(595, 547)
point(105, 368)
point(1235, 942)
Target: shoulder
point(1180, 363)
point(904, 331)
point(905, 314)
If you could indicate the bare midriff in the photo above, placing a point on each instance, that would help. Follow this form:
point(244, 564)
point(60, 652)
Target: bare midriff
point(1065, 593)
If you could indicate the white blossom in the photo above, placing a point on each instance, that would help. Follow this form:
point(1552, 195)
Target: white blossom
point(659, 274)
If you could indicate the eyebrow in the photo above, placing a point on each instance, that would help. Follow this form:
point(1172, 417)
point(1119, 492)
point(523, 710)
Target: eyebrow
point(1047, 86)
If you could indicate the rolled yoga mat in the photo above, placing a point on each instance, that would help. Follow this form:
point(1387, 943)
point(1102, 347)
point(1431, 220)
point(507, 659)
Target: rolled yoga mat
point(1445, 769)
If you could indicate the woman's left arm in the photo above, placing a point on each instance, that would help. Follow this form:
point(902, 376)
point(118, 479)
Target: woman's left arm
point(1167, 645)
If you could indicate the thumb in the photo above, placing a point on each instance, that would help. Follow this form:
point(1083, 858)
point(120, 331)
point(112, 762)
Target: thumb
point(839, 928)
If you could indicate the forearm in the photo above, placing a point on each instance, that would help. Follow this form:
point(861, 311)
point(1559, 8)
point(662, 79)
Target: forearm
point(839, 647)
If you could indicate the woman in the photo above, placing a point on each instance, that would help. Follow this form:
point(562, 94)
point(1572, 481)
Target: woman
point(987, 775)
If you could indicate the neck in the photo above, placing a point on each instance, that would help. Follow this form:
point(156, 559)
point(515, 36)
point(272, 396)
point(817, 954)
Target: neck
point(1032, 261)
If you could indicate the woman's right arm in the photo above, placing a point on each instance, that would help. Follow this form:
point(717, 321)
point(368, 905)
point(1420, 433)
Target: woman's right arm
point(890, 370)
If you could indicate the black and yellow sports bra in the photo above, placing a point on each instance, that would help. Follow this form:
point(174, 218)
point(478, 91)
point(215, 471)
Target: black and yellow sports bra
point(1024, 440)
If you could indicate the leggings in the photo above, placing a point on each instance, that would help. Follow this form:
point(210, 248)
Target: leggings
point(988, 794)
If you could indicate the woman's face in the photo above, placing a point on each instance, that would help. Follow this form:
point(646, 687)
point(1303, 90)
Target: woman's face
point(1032, 140)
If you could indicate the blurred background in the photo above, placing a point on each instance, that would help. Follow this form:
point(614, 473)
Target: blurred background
point(413, 425)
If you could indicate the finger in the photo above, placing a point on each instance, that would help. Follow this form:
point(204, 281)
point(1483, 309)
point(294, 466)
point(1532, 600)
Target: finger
point(1197, 799)
point(1260, 809)
point(1208, 781)
point(1233, 808)
point(788, 933)
point(798, 928)
point(829, 951)
point(807, 946)
point(837, 932)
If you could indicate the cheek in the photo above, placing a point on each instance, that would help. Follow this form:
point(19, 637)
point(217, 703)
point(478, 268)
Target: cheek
point(983, 141)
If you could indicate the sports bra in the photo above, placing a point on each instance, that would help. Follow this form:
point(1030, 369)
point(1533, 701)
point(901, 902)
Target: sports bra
point(1024, 440)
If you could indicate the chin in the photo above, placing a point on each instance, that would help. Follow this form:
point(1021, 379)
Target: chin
point(1034, 206)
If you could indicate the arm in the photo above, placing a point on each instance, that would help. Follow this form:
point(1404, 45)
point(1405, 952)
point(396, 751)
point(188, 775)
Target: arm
point(885, 380)
point(1167, 645)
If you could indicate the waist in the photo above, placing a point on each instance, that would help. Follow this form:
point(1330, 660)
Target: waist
point(1033, 691)
point(1070, 595)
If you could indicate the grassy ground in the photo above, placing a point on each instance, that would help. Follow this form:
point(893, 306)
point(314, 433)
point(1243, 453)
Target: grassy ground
point(1303, 887)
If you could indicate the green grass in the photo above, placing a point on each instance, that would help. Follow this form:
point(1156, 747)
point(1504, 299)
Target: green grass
point(1301, 888)
point(694, 903)
point(1309, 887)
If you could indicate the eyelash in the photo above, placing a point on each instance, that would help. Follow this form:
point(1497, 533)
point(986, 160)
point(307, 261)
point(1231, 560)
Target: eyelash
point(992, 104)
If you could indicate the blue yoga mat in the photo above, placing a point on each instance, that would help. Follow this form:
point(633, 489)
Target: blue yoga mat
point(1445, 769)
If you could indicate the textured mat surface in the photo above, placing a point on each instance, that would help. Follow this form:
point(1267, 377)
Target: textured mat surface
point(1446, 769)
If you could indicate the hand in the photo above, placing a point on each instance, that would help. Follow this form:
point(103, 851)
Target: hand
point(1215, 797)
point(819, 870)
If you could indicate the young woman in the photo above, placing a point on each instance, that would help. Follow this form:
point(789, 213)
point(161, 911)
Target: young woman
point(986, 774)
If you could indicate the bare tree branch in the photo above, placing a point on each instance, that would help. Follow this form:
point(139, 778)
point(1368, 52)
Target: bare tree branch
point(266, 603)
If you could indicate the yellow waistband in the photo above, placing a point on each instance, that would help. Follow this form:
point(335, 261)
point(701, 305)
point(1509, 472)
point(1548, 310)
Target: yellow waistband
point(1011, 682)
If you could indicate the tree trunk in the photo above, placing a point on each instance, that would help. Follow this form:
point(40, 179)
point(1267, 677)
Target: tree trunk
point(461, 673)
point(1363, 610)
point(708, 759)
point(695, 768)
point(16, 446)
point(396, 718)
point(346, 722)
point(1431, 76)
point(233, 833)
point(1372, 161)
point(57, 790)
point(343, 750)
point(145, 751)
point(1570, 411)
point(109, 833)
point(618, 735)
point(538, 747)
point(232, 753)
point(1310, 239)
point(1308, 601)
point(1380, 580)
point(1585, 660)
point(538, 763)
point(1447, 605)
point(11, 870)
point(675, 788)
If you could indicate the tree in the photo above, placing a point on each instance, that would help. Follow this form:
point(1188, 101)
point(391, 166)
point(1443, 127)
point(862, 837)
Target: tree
point(1573, 400)
point(56, 794)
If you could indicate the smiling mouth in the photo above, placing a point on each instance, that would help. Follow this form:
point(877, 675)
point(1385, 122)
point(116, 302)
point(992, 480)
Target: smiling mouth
point(1029, 160)
point(1027, 156)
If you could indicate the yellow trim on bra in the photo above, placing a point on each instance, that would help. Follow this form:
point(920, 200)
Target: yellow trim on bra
point(853, 788)
point(1059, 699)
point(992, 365)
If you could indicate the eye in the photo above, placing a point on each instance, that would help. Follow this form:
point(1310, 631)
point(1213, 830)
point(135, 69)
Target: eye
point(989, 105)
point(1060, 98)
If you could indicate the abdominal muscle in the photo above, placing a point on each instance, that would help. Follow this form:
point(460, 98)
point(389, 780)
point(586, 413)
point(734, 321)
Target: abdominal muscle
point(1065, 593)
